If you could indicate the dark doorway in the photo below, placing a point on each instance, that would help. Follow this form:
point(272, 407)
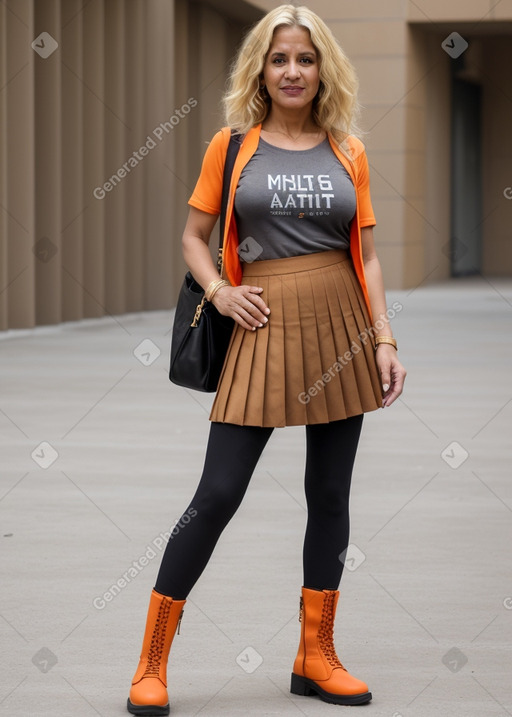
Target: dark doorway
point(466, 179)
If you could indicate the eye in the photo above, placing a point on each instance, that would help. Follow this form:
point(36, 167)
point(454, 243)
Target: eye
point(307, 60)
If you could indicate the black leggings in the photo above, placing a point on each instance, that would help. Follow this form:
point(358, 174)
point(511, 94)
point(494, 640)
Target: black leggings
point(231, 457)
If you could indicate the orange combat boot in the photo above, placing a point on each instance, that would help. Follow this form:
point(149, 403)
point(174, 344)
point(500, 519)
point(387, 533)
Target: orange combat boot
point(317, 669)
point(148, 694)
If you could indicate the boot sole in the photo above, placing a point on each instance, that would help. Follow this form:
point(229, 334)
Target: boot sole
point(306, 687)
point(147, 710)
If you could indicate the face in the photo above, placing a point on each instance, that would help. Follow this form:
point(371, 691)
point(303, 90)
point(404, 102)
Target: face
point(291, 72)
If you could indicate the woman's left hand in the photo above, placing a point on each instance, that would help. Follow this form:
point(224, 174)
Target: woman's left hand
point(392, 373)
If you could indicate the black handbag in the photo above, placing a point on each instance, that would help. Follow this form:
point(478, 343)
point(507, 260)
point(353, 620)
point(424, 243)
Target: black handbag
point(200, 334)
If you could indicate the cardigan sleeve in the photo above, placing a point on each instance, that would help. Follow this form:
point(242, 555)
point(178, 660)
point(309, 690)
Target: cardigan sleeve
point(366, 215)
point(207, 194)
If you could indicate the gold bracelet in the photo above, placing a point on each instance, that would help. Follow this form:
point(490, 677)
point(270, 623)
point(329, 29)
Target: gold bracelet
point(213, 288)
point(386, 340)
point(216, 288)
point(210, 287)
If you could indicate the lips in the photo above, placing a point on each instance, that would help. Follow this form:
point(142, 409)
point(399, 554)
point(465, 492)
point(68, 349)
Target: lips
point(293, 89)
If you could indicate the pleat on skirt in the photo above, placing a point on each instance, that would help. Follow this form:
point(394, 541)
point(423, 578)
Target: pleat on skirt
point(314, 361)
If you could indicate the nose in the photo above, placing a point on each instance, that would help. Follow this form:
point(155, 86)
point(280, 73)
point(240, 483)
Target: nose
point(293, 70)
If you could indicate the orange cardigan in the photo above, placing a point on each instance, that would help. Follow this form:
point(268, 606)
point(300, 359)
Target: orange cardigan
point(208, 193)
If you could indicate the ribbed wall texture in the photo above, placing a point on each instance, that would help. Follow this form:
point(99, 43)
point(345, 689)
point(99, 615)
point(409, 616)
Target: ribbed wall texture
point(104, 108)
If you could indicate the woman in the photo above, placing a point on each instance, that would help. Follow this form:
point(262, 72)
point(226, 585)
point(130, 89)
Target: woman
point(311, 345)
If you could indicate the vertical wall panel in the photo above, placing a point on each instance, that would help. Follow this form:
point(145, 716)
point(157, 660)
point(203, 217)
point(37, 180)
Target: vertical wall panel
point(83, 235)
point(207, 43)
point(72, 160)
point(93, 159)
point(497, 157)
point(437, 168)
point(159, 199)
point(134, 245)
point(213, 67)
point(4, 277)
point(48, 225)
point(20, 164)
point(116, 128)
point(188, 145)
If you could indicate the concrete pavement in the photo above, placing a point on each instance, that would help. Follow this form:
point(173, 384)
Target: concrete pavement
point(101, 453)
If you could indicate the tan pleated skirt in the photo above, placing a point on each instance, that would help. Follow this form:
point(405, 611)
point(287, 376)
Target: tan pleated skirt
point(314, 361)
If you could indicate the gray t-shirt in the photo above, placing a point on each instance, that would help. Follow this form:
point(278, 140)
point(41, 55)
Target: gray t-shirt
point(293, 202)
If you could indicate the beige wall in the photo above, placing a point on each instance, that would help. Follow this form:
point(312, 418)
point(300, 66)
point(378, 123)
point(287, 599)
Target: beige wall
point(17, 300)
point(427, 160)
point(405, 78)
point(487, 60)
point(497, 166)
point(68, 122)
point(205, 44)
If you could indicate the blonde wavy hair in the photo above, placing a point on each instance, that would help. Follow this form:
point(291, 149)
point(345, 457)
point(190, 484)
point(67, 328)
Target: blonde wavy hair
point(335, 107)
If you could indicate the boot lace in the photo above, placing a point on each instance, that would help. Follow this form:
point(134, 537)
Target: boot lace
point(325, 632)
point(157, 639)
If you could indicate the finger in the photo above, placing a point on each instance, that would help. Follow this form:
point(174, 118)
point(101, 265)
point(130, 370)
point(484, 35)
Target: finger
point(243, 323)
point(253, 311)
point(230, 302)
point(252, 295)
point(258, 302)
point(397, 384)
point(385, 377)
point(251, 315)
point(246, 321)
point(390, 398)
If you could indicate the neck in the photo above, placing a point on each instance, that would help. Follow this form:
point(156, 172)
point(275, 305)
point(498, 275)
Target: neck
point(290, 122)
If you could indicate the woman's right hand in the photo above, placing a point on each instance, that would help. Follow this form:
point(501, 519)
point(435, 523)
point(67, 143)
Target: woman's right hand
point(243, 304)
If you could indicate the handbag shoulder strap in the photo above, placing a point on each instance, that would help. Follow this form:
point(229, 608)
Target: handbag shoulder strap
point(232, 152)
